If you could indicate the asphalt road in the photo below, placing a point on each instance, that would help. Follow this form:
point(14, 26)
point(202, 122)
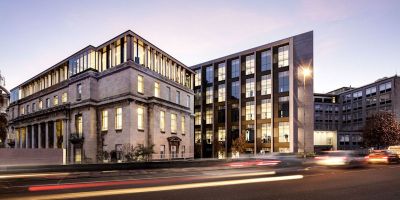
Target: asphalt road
point(373, 182)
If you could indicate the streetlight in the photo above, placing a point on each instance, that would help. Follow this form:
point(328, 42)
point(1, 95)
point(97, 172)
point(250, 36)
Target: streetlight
point(306, 73)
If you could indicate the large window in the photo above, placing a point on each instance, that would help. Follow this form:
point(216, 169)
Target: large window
point(235, 90)
point(283, 56)
point(283, 81)
point(221, 71)
point(209, 136)
point(235, 68)
point(266, 84)
point(266, 133)
point(40, 104)
point(385, 87)
point(104, 120)
point(266, 109)
point(210, 74)
point(197, 78)
point(221, 134)
point(221, 93)
point(283, 108)
point(250, 110)
point(55, 100)
point(209, 95)
point(197, 118)
point(78, 125)
point(209, 116)
point(140, 119)
point(118, 118)
point(140, 86)
point(157, 89)
point(178, 97)
point(370, 91)
point(250, 87)
point(78, 92)
point(162, 121)
point(283, 131)
point(168, 93)
point(64, 97)
point(183, 125)
point(265, 60)
point(173, 123)
point(249, 64)
point(47, 103)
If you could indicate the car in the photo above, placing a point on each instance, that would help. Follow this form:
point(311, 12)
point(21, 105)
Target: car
point(394, 149)
point(382, 156)
point(340, 158)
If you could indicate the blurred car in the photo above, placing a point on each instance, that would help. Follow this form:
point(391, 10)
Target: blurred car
point(382, 156)
point(340, 158)
point(251, 162)
point(394, 149)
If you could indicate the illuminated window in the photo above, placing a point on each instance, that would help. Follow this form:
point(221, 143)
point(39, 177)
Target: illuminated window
point(162, 121)
point(117, 54)
point(250, 110)
point(64, 97)
point(266, 107)
point(40, 104)
point(283, 107)
point(249, 64)
point(183, 125)
point(78, 125)
point(221, 71)
point(140, 86)
point(283, 56)
point(266, 133)
point(209, 95)
point(104, 120)
point(55, 100)
point(197, 137)
point(250, 87)
point(118, 118)
point(197, 78)
point(140, 118)
point(78, 92)
point(209, 116)
point(197, 118)
point(173, 123)
point(266, 84)
point(221, 93)
point(283, 131)
point(156, 89)
point(221, 134)
point(209, 136)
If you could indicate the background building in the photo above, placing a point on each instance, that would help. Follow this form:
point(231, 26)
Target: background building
point(260, 92)
point(122, 93)
point(354, 106)
point(4, 100)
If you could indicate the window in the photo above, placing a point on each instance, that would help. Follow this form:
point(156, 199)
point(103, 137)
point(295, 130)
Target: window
point(221, 93)
point(47, 103)
point(221, 114)
point(235, 68)
point(357, 95)
point(78, 125)
point(265, 60)
point(104, 120)
point(27, 109)
point(235, 113)
point(55, 100)
point(249, 64)
point(64, 97)
point(283, 131)
point(266, 107)
point(33, 107)
point(384, 99)
point(283, 81)
point(183, 125)
point(283, 56)
point(370, 91)
point(197, 78)
point(162, 121)
point(118, 118)
point(140, 118)
point(250, 110)
point(250, 87)
point(209, 95)
point(40, 104)
point(162, 151)
point(266, 84)
point(221, 134)
point(210, 74)
point(157, 89)
point(173, 123)
point(140, 88)
point(283, 108)
point(197, 118)
point(78, 92)
point(178, 97)
point(221, 71)
point(209, 136)
point(385, 87)
point(168, 93)
point(209, 116)
point(197, 136)
point(235, 90)
point(266, 133)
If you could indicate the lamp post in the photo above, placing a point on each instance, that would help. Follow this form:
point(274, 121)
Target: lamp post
point(306, 73)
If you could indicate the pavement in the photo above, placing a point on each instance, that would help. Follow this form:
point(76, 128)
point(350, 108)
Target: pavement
point(214, 182)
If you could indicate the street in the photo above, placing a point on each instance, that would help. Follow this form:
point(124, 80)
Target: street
point(293, 182)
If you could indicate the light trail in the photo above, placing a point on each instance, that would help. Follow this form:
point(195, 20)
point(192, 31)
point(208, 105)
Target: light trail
point(32, 175)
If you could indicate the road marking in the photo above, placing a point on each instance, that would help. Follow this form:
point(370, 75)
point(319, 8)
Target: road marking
point(161, 188)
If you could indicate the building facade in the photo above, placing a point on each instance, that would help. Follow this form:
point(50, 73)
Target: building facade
point(260, 93)
point(354, 106)
point(123, 93)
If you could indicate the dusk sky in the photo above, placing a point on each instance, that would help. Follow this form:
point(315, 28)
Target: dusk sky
point(355, 42)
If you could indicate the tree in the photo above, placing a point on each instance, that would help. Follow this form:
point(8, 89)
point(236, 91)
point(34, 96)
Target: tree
point(381, 130)
point(143, 152)
point(239, 144)
point(3, 130)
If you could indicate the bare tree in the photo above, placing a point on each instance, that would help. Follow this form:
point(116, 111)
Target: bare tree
point(381, 130)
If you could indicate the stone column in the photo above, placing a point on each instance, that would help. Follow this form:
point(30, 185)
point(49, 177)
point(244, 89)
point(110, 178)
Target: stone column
point(65, 133)
point(39, 137)
point(33, 136)
point(54, 135)
point(47, 134)
point(26, 137)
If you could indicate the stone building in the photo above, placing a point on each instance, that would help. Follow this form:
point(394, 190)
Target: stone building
point(123, 92)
